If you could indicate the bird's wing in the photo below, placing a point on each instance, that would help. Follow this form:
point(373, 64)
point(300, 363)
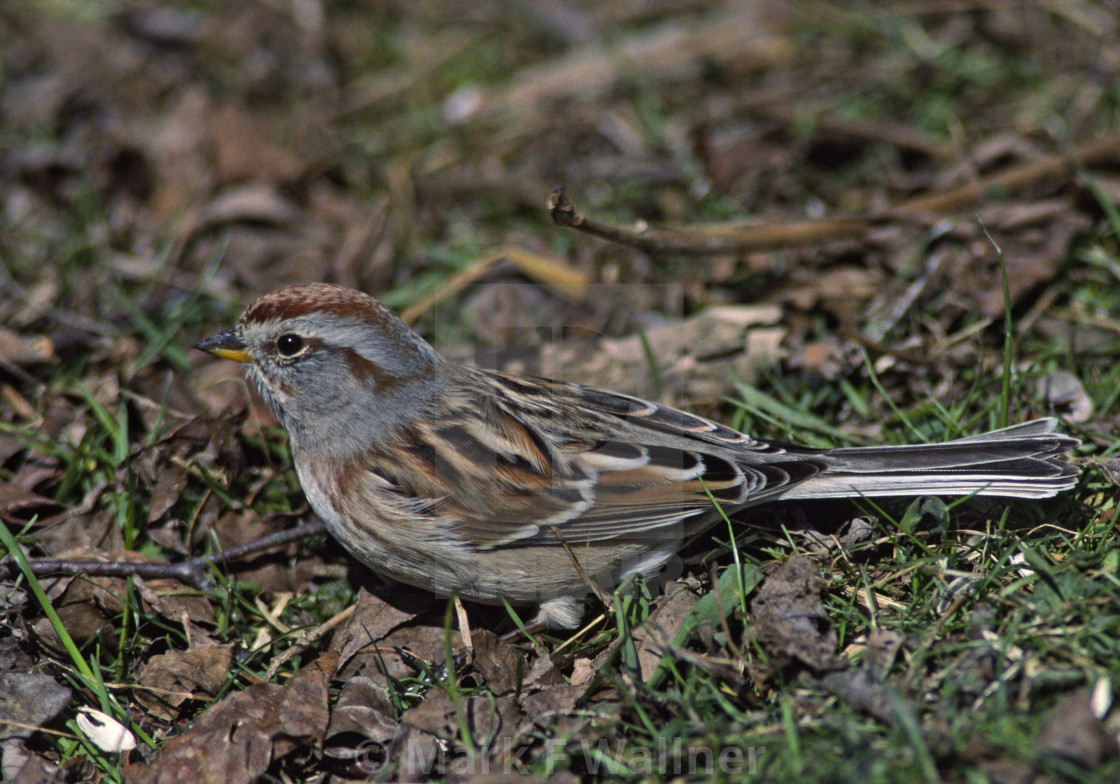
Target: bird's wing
point(534, 460)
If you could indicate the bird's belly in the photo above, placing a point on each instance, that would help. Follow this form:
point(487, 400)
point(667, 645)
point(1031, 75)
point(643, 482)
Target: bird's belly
point(430, 557)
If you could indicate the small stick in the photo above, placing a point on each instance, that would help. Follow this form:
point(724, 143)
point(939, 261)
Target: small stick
point(305, 639)
point(592, 586)
point(1021, 176)
point(191, 572)
point(745, 238)
point(709, 241)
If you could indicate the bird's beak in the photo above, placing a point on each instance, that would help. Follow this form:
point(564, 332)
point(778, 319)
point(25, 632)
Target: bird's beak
point(226, 345)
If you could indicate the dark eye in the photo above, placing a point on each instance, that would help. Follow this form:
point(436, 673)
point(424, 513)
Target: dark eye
point(289, 344)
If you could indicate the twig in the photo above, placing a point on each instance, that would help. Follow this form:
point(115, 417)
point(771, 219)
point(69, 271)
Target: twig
point(1049, 168)
point(191, 572)
point(554, 273)
point(708, 241)
point(723, 239)
point(592, 586)
point(305, 639)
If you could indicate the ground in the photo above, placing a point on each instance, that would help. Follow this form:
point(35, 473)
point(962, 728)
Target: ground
point(833, 223)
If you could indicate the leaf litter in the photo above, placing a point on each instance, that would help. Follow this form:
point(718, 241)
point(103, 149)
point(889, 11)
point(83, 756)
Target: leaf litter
point(165, 165)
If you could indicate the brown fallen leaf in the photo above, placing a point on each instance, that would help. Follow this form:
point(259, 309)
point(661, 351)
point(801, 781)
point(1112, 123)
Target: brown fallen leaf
point(545, 705)
point(835, 290)
point(414, 755)
point(692, 361)
point(19, 504)
point(253, 202)
point(172, 678)
point(789, 620)
point(1032, 254)
point(492, 722)
point(171, 481)
point(236, 739)
point(436, 715)
point(654, 635)
point(363, 725)
point(499, 664)
point(87, 607)
point(374, 619)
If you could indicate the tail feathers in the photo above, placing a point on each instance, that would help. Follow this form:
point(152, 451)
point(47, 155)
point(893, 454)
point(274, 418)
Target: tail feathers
point(1036, 427)
point(1022, 461)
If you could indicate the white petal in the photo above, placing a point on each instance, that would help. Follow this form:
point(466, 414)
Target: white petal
point(107, 733)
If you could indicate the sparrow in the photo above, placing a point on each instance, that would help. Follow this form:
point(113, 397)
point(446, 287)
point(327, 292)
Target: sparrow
point(495, 486)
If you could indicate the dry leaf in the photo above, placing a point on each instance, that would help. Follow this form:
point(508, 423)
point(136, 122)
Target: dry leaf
point(172, 678)
point(235, 740)
point(789, 620)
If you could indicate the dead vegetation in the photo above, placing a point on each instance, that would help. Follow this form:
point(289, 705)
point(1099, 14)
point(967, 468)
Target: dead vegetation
point(797, 218)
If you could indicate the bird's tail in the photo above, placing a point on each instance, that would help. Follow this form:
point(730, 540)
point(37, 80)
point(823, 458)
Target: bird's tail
point(1021, 461)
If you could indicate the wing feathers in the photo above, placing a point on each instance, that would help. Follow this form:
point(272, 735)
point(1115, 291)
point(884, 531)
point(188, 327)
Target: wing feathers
point(525, 455)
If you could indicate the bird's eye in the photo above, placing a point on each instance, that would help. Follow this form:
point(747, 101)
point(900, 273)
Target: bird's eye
point(289, 344)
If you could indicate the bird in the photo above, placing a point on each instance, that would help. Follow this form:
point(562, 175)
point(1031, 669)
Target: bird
point(499, 487)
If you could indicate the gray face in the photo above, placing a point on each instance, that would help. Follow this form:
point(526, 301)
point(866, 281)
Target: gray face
point(337, 381)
